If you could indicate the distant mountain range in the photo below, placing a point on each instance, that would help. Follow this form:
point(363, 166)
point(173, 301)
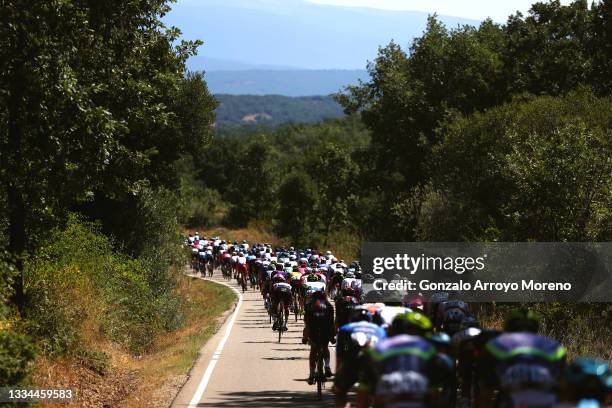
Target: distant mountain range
point(290, 47)
point(282, 82)
point(274, 110)
point(294, 33)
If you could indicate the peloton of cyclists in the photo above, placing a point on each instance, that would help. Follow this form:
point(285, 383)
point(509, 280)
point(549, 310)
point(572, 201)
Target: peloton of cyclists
point(415, 352)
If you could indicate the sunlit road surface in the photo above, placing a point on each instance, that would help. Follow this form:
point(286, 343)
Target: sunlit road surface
point(253, 369)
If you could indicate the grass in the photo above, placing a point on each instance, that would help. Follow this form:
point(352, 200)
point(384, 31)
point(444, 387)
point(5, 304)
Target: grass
point(176, 352)
point(152, 379)
point(582, 335)
point(255, 232)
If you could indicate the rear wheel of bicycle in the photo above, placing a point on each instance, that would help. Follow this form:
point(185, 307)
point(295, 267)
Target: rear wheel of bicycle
point(280, 320)
point(320, 376)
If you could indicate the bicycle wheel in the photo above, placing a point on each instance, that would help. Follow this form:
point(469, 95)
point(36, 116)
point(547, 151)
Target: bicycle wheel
point(279, 319)
point(320, 376)
point(295, 309)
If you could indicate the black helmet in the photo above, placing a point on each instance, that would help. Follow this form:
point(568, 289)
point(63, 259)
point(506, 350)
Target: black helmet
point(522, 320)
point(360, 313)
point(452, 321)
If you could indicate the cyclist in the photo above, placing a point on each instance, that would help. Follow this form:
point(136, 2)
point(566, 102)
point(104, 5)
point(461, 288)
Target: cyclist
point(431, 307)
point(318, 330)
point(524, 367)
point(450, 315)
point(464, 348)
point(281, 291)
point(404, 369)
point(352, 339)
point(414, 302)
point(587, 382)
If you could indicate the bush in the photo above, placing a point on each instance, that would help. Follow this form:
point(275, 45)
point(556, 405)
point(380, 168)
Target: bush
point(80, 290)
point(16, 349)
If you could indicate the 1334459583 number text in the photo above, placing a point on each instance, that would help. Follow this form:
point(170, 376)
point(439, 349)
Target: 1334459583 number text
point(35, 395)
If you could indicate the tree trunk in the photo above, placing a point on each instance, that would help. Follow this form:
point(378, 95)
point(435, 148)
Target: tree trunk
point(16, 180)
point(17, 242)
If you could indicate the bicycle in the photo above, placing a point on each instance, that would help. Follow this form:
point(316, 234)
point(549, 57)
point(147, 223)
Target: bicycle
point(320, 378)
point(242, 282)
point(296, 307)
point(281, 319)
point(268, 307)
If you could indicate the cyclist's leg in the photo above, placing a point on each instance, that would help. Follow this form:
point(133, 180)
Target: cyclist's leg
point(312, 362)
point(325, 349)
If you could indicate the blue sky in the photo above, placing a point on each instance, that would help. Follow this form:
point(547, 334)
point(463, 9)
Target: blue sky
point(498, 10)
point(316, 34)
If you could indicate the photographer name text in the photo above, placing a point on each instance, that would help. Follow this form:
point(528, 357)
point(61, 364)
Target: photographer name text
point(478, 285)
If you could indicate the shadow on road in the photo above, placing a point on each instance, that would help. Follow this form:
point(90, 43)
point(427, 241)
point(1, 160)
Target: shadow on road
point(284, 358)
point(266, 399)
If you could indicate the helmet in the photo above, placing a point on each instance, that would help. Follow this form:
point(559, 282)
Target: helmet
point(318, 294)
point(413, 302)
point(313, 278)
point(350, 275)
point(588, 378)
point(410, 323)
point(452, 320)
point(244, 241)
point(469, 321)
point(522, 320)
point(440, 339)
point(278, 278)
point(360, 313)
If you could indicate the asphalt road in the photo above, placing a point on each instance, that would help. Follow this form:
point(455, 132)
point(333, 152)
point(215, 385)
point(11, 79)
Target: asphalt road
point(250, 368)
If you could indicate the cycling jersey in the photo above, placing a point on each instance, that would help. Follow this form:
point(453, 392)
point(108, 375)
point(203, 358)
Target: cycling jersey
point(401, 369)
point(525, 367)
point(386, 314)
point(310, 287)
point(346, 347)
point(281, 287)
point(319, 321)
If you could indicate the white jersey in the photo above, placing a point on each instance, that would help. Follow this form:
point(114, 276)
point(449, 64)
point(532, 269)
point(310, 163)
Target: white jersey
point(347, 283)
point(242, 260)
point(281, 285)
point(388, 313)
point(314, 286)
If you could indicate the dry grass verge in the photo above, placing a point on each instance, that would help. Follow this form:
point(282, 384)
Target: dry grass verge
point(152, 380)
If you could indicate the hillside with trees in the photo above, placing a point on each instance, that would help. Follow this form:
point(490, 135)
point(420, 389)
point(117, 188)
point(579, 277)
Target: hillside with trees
point(274, 110)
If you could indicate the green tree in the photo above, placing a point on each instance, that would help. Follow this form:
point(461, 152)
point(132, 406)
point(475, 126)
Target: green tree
point(297, 208)
point(535, 169)
point(334, 172)
point(90, 109)
point(253, 186)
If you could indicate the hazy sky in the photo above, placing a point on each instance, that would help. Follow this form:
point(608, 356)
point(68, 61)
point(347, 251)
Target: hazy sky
point(498, 10)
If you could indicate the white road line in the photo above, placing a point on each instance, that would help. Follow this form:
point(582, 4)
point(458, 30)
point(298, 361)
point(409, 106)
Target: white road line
point(217, 354)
